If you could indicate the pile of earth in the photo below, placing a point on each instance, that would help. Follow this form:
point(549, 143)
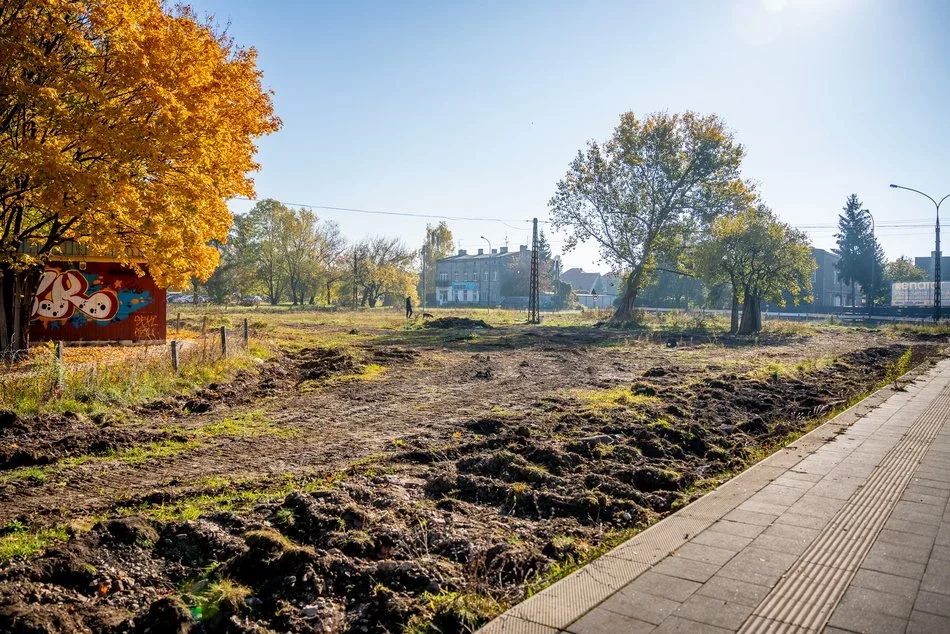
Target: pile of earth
point(456, 323)
point(441, 535)
point(316, 364)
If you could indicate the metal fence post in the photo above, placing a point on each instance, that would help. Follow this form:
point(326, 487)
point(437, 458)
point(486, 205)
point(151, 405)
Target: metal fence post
point(224, 341)
point(175, 356)
point(246, 334)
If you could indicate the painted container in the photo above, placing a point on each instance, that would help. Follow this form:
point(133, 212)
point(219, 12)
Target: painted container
point(82, 301)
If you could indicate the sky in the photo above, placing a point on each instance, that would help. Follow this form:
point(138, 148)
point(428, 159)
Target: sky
point(475, 109)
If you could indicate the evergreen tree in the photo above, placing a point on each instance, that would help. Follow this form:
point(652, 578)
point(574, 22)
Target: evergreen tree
point(544, 248)
point(862, 258)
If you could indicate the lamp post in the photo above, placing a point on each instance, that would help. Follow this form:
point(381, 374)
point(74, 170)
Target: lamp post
point(936, 247)
point(873, 254)
point(488, 302)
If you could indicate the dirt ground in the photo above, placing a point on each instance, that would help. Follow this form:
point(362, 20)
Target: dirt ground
point(396, 480)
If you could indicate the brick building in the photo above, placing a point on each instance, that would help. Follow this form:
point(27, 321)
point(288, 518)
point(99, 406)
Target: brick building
point(480, 279)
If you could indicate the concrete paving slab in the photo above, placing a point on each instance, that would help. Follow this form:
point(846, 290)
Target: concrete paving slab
point(838, 532)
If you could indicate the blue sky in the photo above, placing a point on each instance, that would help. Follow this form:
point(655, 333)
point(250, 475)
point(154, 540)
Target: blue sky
point(476, 109)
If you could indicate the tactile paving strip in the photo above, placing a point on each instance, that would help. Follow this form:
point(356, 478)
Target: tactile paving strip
point(805, 598)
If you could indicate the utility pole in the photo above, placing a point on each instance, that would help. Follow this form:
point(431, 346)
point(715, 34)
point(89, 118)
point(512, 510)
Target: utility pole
point(557, 280)
point(488, 302)
point(355, 273)
point(534, 314)
point(936, 247)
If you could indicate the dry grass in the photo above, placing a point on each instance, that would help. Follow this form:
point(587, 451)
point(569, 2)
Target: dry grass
point(95, 379)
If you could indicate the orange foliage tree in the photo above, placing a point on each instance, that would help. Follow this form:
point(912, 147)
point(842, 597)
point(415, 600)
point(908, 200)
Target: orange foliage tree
point(124, 127)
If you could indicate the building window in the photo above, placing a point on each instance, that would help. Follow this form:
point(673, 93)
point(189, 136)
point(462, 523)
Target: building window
point(444, 276)
point(494, 275)
point(485, 276)
point(456, 275)
point(465, 295)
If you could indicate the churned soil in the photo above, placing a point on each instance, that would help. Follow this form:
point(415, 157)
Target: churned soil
point(431, 496)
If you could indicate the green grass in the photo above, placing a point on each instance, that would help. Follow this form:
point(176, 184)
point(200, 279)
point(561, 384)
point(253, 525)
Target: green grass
point(613, 398)
point(20, 542)
point(242, 425)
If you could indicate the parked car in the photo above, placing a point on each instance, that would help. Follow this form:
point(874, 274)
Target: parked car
point(180, 299)
point(251, 300)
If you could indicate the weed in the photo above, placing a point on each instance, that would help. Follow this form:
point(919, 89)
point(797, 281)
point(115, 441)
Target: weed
point(454, 612)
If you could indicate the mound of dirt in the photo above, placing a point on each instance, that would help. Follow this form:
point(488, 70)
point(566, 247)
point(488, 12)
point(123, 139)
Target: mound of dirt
point(456, 323)
point(315, 364)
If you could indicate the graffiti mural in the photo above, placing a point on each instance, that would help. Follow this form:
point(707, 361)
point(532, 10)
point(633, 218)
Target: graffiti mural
point(75, 297)
point(62, 294)
point(97, 301)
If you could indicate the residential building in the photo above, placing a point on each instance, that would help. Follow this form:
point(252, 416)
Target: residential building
point(827, 288)
point(927, 263)
point(480, 278)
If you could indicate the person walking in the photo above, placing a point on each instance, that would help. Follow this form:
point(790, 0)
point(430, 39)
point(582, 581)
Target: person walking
point(408, 308)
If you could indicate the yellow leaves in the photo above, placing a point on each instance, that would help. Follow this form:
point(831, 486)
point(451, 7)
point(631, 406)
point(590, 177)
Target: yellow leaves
point(141, 141)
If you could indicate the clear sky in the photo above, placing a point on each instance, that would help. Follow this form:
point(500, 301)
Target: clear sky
point(475, 109)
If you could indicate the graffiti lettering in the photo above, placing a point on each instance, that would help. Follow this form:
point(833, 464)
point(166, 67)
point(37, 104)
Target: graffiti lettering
point(61, 294)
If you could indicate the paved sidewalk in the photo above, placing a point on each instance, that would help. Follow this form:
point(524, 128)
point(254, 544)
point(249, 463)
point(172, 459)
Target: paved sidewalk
point(847, 530)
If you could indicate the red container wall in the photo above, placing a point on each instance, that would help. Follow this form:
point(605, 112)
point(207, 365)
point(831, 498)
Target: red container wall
point(103, 301)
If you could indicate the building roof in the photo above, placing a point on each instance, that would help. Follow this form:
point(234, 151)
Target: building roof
point(579, 280)
point(464, 255)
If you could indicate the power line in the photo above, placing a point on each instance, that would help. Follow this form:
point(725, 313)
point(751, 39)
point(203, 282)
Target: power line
point(404, 214)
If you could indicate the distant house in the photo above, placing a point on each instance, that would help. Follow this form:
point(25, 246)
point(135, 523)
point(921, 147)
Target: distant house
point(82, 297)
point(480, 278)
point(593, 290)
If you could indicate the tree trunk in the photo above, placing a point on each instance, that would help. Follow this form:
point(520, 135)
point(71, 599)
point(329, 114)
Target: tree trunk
point(751, 315)
point(734, 318)
point(631, 289)
point(17, 289)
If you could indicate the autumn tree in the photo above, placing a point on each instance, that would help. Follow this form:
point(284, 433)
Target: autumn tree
point(437, 244)
point(124, 126)
point(904, 270)
point(269, 220)
point(900, 270)
point(761, 258)
point(862, 258)
point(308, 244)
point(384, 265)
point(655, 183)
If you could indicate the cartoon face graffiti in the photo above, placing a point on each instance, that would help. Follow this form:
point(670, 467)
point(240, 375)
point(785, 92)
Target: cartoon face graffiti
point(61, 294)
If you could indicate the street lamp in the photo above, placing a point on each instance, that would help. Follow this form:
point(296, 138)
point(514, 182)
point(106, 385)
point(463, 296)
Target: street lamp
point(873, 262)
point(488, 303)
point(936, 247)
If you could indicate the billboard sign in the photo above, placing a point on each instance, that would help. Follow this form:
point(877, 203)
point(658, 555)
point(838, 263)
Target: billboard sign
point(917, 293)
